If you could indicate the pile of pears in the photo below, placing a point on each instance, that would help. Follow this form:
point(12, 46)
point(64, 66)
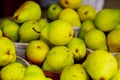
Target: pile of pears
point(72, 41)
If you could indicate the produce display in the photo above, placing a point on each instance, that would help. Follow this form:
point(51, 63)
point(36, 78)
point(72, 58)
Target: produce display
point(74, 41)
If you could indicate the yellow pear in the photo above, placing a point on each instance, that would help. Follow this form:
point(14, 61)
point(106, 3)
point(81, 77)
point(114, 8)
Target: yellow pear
point(71, 16)
point(95, 39)
point(29, 10)
point(71, 3)
point(113, 40)
point(86, 12)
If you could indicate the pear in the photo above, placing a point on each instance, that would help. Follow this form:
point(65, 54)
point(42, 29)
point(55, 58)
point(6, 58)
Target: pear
point(78, 47)
point(85, 27)
point(113, 40)
point(116, 76)
point(57, 58)
point(29, 31)
point(7, 51)
point(1, 34)
point(74, 72)
point(42, 22)
point(60, 32)
point(71, 3)
point(101, 65)
point(103, 23)
point(117, 56)
point(36, 51)
point(53, 11)
point(29, 10)
point(95, 39)
point(86, 12)
point(10, 29)
point(13, 71)
point(34, 72)
point(71, 16)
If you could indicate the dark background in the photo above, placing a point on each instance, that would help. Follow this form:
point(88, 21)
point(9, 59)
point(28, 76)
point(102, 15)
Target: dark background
point(7, 7)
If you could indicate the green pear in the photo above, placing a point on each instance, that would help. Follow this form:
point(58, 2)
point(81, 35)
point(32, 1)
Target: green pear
point(1, 34)
point(116, 76)
point(74, 72)
point(71, 3)
point(103, 23)
point(95, 39)
point(29, 31)
point(57, 58)
point(60, 32)
point(29, 10)
point(85, 27)
point(117, 26)
point(117, 56)
point(7, 51)
point(36, 51)
point(113, 40)
point(34, 72)
point(42, 22)
point(10, 29)
point(101, 65)
point(13, 71)
point(86, 12)
point(53, 11)
point(71, 16)
point(78, 47)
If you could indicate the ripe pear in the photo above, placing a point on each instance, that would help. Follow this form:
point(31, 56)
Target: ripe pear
point(29, 10)
point(71, 16)
point(85, 27)
point(78, 47)
point(103, 23)
point(74, 72)
point(13, 71)
point(44, 35)
point(113, 40)
point(10, 29)
point(34, 72)
point(86, 12)
point(7, 51)
point(95, 39)
point(53, 11)
point(29, 31)
point(1, 34)
point(71, 3)
point(101, 65)
point(36, 51)
point(116, 76)
point(58, 58)
point(117, 56)
point(60, 32)
point(42, 22)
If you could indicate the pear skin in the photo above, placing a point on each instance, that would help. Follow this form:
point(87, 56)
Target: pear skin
point(103, 23)
point(7, 51)
point(116, 76)
point(113, 40)
point(85, 27)
point(95, 39)
point(60, 32)
point(59, 57)
point(71, 16)
point(29, 10)
point(101, 65)
point(71, 3)
point(34, 72)
point(10, 29)
point(76, 72)
point(13, 71)
point(78, 47)
point(29, 31)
